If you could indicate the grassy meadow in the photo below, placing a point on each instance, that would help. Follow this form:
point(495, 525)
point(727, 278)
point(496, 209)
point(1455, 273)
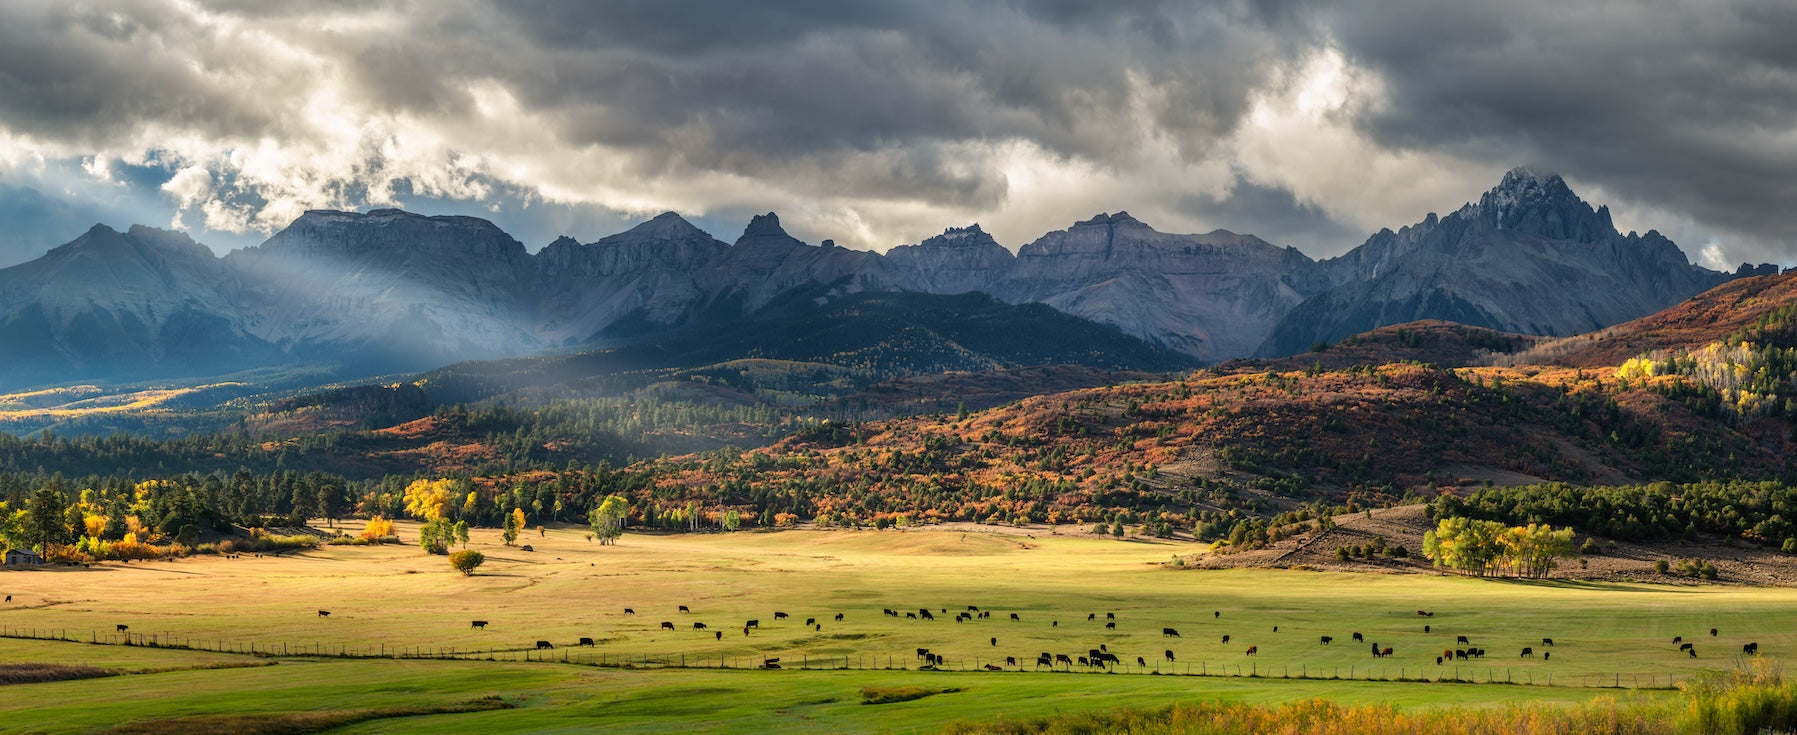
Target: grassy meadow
point(388, 600)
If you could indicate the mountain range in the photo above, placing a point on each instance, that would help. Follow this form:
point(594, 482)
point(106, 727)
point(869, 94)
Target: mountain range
point(389, 290)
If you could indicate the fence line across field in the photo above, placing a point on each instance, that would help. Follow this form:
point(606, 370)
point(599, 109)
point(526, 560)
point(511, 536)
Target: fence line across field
point(587, 656)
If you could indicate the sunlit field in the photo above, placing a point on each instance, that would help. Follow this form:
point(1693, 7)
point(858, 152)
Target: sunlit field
point(390, 604)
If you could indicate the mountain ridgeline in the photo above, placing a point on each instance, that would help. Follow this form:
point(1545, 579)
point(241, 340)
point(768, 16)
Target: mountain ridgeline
point(389, 290)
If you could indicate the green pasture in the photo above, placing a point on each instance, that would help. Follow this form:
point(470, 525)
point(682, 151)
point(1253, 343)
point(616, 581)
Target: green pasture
point(397, 599)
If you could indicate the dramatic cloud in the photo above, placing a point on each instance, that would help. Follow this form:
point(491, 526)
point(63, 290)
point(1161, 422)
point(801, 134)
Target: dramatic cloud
point(881, 123)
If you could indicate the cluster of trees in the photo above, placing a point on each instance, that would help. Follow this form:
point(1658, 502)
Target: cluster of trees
point(1485, 548)
point(1761, 512)
point(1743, 378)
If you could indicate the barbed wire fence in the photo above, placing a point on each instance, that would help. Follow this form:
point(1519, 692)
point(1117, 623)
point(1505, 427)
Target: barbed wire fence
point(592, 656)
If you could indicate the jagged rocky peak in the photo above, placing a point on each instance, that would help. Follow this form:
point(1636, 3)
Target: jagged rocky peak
point(764, 225)
point(1542, 204)
point(668, 226)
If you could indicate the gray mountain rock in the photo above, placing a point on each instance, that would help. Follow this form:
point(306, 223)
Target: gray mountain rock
point(1528, 257)
point(1211, 296)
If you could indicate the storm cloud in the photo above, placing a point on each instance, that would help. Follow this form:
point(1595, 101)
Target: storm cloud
point(878, 124)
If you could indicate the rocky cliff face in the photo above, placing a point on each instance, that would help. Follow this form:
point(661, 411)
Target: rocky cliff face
point(647, 275)
point(389, 287)
point(960, 260)
point(1211, 296)
point(1528, 257)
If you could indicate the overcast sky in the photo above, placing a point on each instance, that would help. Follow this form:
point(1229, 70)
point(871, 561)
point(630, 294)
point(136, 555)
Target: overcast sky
point(881, 123)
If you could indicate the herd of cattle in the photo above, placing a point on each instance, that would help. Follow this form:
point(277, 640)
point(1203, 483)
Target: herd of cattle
point(1100, 657)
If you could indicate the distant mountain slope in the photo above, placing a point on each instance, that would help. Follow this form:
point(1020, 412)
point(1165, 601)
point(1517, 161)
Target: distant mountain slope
point(1431, 341)
point(142, 303)
point(809, 349)
point(1529, 257)
point(1760, 309)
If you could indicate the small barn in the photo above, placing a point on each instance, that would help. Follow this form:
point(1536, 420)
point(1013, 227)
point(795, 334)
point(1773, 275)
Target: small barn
point(22, 557)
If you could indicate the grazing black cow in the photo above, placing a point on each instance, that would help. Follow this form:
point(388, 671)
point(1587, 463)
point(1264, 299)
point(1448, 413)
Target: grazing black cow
point(684, 610)
point(811, 621)
point(922, 652)
point(1476, 652)
point(1692, 651)
point(889, 612)
point(719, 634)
point(1527, 651)
point(1169, 633)
point(1421, 614)
point(1437, 660)
point(1678, 639)
point(584, 641)
point(1169, 654)
point(1459, 654)
point(838, 617)
point(482, 624)
point(1110, 626)
point(1425, 629)
point(1044, 660)
point(1141, 663)
point(752, 624)
point(1103, 647)
point(1753, 648)
point(911, 615)
point(1358, 638)
point(1062, 658)
point(1217, 614)
point(1054, 623)
point(1712, 632)
point(665, 625)
point(973, 608)
point(1016, 619)
point(1327, 639)
point(1275, 629)
point(544, 644)
point(324, 613)
point(628, 611)
point(1110, 616)
point(1084, 662)
point(779, 616)
point(745, 631)
point(1684, 646)
point(1547, 641)
point(1091, 617)
point(926, 615)
point(1226, 639)
point(1461, 639)
point(1010, 660)
point(995, 640)
point(1545, 655)
point(123, 628)
point(698, 626)
point(770, 663)
point(1251, 651)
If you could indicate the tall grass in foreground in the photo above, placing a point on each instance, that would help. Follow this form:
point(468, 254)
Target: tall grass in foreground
point(1755, 699)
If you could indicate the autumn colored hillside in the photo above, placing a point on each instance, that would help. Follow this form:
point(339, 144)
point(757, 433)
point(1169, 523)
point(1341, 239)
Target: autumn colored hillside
point(1185, 452)
point(1744, 308)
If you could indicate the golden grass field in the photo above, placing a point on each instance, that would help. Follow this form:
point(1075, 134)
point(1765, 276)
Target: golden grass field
point(396, 600)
